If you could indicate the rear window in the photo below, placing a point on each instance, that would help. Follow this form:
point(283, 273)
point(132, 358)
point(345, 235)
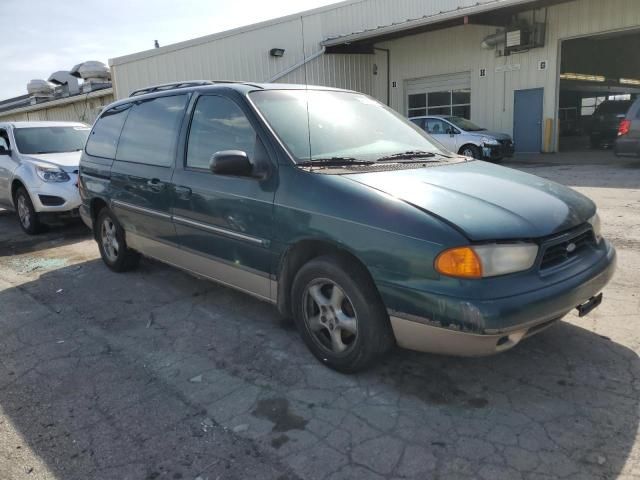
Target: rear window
point(103, 140)
point(618, 108)
point(150, 132)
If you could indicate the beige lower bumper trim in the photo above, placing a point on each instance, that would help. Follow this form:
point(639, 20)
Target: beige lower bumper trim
point(426, 338)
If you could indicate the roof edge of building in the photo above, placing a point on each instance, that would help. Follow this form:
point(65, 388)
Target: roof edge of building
point(422, 21)
point(57, 102)
point(227, 33)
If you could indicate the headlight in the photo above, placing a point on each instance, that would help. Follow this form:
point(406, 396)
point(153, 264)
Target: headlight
point(490, 141)
point(486, 260)
point(597, 227)
point(52, 174)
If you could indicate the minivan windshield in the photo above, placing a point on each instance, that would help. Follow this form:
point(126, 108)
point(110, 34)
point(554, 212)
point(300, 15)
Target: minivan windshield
point(324, 125)
point(464, 124)
point(35, 140)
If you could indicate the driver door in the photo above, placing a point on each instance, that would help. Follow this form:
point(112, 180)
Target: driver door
point(441, 131)
point(226, 220)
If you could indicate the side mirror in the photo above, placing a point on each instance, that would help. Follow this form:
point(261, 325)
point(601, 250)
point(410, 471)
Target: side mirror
point(231, 162)
point(4, 150)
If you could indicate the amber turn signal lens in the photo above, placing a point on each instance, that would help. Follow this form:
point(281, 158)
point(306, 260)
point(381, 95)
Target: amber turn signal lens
point(460, 262)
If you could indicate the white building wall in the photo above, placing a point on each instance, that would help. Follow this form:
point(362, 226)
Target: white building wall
point(458, 49)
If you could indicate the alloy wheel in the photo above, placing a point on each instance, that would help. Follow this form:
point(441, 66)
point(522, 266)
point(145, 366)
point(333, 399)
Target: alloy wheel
point(110, 243)
point(23, 211)
point(330, 316)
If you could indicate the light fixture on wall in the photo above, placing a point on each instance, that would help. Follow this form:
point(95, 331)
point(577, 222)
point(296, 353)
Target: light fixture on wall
point(629, 81)
point(276, 52)
point(582, 77)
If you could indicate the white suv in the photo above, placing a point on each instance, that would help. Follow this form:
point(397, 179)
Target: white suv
point(39, 169)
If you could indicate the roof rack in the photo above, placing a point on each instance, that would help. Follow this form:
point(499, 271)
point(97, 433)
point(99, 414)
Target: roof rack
point(169, 86)
point(187, 84)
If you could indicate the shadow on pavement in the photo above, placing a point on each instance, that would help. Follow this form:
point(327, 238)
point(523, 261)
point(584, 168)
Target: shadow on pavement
point(13, 241)
point(155, 374)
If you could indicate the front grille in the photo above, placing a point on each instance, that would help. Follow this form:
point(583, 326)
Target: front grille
point(560, 253)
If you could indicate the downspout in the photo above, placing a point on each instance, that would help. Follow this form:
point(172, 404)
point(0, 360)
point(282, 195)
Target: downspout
point(388, 52)
point(298, 65)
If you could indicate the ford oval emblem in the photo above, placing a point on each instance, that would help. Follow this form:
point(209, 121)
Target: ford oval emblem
point(571, 248)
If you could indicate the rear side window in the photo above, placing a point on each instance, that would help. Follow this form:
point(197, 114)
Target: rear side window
point(103, 139)
point(218, 124)
point(150, 132)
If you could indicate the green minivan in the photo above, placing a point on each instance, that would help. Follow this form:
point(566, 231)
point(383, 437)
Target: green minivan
point(342, 213)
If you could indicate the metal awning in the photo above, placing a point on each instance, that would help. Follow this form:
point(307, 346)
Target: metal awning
point(496, 12)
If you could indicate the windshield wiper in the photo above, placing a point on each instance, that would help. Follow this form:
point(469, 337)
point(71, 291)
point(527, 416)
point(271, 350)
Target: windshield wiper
point(334, 162)
point(410, 155)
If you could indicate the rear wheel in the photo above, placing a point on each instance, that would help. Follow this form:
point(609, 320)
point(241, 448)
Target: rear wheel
point(112, 244)
point(29, 218)
point(339, 315)
point(471, 151)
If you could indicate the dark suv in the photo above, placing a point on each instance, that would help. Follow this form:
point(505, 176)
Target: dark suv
point(605, 121)
point(345, 215)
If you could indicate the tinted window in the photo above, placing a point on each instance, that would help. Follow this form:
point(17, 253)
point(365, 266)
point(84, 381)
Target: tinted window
point(613, 107)
point(150, 132)
point(103, 140)
point(218, 124)
point(34, 140)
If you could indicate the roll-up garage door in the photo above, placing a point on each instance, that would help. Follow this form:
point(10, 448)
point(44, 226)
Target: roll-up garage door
point(440, 95)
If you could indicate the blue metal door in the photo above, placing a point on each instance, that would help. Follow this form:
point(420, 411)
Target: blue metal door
point(527, 120)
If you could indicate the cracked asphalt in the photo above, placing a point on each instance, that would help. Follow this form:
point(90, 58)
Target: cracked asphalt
point(158, 375)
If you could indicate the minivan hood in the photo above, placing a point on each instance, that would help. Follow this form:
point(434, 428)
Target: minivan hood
point(485, 201)
point(67, 161)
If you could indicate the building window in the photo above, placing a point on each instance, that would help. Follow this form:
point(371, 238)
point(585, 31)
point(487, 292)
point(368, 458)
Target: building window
point(446, 102)
point(590, 104)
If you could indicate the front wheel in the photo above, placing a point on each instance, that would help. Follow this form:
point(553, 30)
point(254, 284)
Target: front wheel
point(340, 315)
point(112, 244)
point(29, 218)
point(471, 151)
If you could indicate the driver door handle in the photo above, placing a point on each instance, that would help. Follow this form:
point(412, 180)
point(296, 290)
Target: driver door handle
point(156, 185)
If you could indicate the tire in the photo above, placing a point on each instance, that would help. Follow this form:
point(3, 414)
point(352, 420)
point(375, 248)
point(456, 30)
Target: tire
point(112, 243)
point(29, 218)
point(471, 151)
point(348, 329)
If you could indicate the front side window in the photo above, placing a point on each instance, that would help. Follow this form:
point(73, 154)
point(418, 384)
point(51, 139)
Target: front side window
point(323, 124)
point(437, 127)
point(150, 132)
point(218, 124)
point(103, 140)
point(35, 140)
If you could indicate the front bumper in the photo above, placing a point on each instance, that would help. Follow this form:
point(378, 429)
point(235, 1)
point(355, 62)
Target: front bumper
point(502, 322)
point(494, 152)
point(55, 197)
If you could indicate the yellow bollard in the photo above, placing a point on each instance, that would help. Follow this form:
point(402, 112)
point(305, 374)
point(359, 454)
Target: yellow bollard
point(548, 135)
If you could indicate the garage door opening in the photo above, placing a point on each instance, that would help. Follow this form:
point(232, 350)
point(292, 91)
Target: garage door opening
point(599, 79)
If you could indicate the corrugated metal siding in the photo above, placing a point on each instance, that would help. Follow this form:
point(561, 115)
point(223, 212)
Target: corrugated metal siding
point(457, 49)
point(244, 55)
point(83, 110)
